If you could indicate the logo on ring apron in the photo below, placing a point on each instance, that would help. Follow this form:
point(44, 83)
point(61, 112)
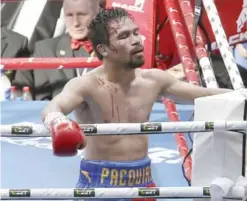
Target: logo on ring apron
point(89, 128)
point(151, 127)
point(147, 192)
point(90, 192)
point(206, 191)
point(19, 193)
point(209, 126)
point(21, 130)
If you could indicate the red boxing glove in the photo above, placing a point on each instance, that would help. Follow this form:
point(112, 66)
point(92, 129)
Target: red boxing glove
point(67, 136)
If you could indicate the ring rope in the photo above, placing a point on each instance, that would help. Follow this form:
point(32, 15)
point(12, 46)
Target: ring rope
point(179, 34)
point(237, 193)
point(28, 129)
point(200, 50)
point(223, 44)
point(48, 63)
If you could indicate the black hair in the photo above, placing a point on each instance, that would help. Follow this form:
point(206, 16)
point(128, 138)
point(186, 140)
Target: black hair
point(99, 26)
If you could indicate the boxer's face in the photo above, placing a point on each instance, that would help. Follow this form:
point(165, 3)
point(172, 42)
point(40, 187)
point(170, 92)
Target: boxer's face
point(78, 15)
point(126, 46)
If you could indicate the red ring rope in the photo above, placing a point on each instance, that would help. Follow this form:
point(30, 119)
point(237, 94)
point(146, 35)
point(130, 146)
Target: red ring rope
point(48, 63)
point(179, 33)
point(187, 11)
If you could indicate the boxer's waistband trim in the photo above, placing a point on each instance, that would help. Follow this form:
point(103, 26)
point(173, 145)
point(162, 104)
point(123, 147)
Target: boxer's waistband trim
point(116, 173)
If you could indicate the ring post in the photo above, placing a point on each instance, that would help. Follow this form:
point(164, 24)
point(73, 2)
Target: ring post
point(219, 153)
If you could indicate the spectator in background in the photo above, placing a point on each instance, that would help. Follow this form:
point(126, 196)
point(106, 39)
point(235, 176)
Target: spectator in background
point(13, 45)
point(45, 84)
point(240, 53)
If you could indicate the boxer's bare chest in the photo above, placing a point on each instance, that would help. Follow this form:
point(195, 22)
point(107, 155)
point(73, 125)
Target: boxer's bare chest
point(111, 103)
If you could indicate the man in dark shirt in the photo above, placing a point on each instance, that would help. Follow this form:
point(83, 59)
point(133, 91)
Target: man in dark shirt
point(13, 45)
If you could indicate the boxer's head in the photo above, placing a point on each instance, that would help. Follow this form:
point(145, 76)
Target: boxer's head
point(78, 14)
point(116, 38)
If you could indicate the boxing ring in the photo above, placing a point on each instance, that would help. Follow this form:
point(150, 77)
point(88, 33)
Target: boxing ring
point(29, 162)
point(30, 171)
point(50, 171)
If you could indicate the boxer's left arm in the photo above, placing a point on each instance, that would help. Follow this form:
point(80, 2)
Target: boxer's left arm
point(182, 91)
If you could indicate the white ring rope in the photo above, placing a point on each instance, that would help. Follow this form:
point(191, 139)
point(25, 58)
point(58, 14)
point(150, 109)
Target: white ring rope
point(208, 73)
point(223, 44)
point(237, 193)
point(30, 129)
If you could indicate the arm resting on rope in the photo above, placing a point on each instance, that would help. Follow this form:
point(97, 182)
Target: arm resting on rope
point(66, 134)
point(182, 91)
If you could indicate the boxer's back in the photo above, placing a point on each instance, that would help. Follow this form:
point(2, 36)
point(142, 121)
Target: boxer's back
point(112, 103)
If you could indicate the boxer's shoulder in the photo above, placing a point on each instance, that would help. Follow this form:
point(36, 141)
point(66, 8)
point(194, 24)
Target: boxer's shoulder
point(155, 74)
point(151, 74)
point(156, 78)
point(82, 84)
point(85, 80)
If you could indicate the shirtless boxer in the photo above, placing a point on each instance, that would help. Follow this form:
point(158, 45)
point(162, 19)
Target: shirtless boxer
point(116, 92)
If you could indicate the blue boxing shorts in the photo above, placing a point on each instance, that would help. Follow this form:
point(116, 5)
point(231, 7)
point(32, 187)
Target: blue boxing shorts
point(116, 174)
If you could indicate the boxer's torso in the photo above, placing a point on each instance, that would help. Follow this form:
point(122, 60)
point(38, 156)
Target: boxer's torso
point(112, 103)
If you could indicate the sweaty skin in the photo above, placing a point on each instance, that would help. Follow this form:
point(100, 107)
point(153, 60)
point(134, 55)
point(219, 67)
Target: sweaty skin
point(97, 100)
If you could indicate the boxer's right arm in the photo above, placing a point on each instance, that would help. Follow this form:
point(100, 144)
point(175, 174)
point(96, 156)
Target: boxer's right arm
point(71, 96)
point(67, 136)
